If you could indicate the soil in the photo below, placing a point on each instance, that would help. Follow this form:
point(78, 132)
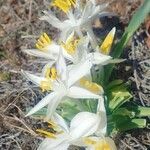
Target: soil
point(20, 27)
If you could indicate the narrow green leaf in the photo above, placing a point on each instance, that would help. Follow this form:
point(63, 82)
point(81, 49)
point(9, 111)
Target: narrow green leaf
point(134, 24)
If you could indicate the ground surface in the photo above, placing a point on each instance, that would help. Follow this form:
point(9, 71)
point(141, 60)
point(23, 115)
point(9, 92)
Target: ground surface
point(19, 28)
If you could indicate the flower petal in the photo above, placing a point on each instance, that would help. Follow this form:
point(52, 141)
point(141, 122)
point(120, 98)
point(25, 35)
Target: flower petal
point(91, 35)
point(38, 53)
point(82, 49)
point(51, 19)
point(98, 11)
point(66, 55)
point(101, 59)
point(84, 124)
point(52, 106)
point(47, 99)
point(48, 65)
point(61, 122)
point(66, 31)
point(33, 78)
point(87, 10)
point(106, 45)
point(78, 92)
point(78, 71)
point(111, 143)
point(101, 111)
point(60, 143)
point(61, 67)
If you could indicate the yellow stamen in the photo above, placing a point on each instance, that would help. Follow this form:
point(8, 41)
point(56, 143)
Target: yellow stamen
point(54, 126)
point(46, 85)
point(71, 44)
point(51, 123)
point(51, 73)
point(106, 45)
point(43, 42)
point(98, 145)
point(93, 87)
point(102, 145)
point(64, 5)
point(89, 141)
point(46, 133)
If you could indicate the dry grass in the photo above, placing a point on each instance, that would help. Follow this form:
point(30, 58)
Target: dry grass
point(19, 28)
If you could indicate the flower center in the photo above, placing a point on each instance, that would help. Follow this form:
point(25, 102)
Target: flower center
point(51, 73)
point(64, 5)
point(106, 45)
point(70, 45)
point(43, 42)
point(46, 85)
point(52, 133)
point(93, 87)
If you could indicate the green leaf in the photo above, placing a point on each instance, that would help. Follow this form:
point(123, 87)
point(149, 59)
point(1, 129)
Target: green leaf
point(140, 111)
point(117, 96)
point(68, 108)
point(97, 73)
point(131, 124)
point(114, 83)
point(121, 123)
point(124, 112)
point(134, 24)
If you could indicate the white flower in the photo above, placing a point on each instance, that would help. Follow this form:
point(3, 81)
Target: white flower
point(61, 83)
point(101, 54)
point(78, 21)
point(73, 49)
point(83, 125)
point(48, 49)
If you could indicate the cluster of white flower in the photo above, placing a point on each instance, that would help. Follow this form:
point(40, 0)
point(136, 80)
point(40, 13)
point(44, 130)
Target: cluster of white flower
point(61, 79)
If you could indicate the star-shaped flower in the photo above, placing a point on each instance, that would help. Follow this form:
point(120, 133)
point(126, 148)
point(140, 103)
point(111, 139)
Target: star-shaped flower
point(60, 82)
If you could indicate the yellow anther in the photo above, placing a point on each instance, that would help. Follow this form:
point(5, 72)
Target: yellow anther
point(46, 133)
point(93, 87)
point(47, 38)
point(71, 44)
point(89, 141)
point(102, 145)
point(97, 144)
point(106, 45)
point(51, 123)
point(38, 46)
point(64, 5)
point(51, 73)
point(46, 85)
point(43, 42)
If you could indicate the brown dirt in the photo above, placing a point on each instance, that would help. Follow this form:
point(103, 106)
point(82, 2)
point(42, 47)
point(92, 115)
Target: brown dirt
point(19, 28)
